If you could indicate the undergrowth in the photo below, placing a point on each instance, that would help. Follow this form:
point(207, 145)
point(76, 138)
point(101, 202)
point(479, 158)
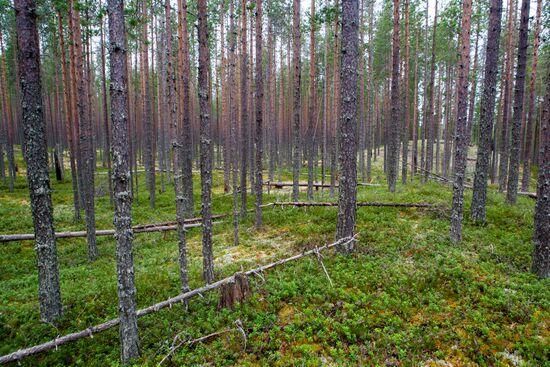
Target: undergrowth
point(405, 297)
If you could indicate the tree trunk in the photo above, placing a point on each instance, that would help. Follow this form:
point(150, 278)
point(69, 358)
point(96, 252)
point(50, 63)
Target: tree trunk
point(259, 114)
point(515, 155)
point(244, 109)
point(541, 238)
point(126, 287)
point(105, 111)
point(296, 62)
point(527, 151)
point(461, 139)
point(36, 156)
point(507, 91)
point(429, 129)
point(187, 145)
point(85, 126)
point(233, 119)
point(393, 141)
point(348, 123)
point(479, 196)
point(406, 122)
point(205, 146)
point(177, 152)
point(311, 112)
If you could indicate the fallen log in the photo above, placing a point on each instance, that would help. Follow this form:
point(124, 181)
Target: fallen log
point(89, 332)
point(141, 228)
point(532, 195)
point(359, 204)
point(280, 185)
point(99, 232)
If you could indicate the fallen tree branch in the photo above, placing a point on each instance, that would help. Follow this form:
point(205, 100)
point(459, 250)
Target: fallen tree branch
point(100, 232)
point(89, 332)
point(315, 185)
point(359, 204)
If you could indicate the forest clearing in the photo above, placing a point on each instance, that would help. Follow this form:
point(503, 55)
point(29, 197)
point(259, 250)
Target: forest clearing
point(275, 183)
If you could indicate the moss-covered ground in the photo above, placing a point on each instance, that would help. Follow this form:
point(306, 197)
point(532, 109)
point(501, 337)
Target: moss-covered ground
point(405, 297)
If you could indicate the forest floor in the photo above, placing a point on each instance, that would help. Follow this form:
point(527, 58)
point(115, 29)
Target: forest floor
point(405, 297)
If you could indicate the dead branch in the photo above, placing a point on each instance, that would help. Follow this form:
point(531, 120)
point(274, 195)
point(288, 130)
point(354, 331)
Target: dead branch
point(161, 227)
point(89, 332)
point(359, 204)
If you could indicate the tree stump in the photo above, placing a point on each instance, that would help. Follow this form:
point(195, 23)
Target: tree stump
point(234, 292)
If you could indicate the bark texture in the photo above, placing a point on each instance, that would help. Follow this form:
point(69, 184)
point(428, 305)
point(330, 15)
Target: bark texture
point(541, 254)
point(461, 139)
point(296, 103)
point(205, 147)
point(348, 123)
point(129, 338)
point(259, 115)
point(513, 173)
point(393, 143)
point(36, 156)
point(479, 198)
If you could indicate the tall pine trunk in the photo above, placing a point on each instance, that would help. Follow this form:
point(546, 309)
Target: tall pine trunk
point(205, 146)
point(259, 114)
point(296, 103)
point(36, 157)
point(515, 154)
point(541, 238)
point(461, 139)
point(394, 128)
point(348, 123)
point(479, 198)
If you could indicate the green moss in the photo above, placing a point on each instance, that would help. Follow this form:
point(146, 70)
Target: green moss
point(406, 296)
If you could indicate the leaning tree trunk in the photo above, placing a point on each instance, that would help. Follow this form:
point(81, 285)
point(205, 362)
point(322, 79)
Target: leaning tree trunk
point(393, 141)
point(348, 123)
point(296, 61)
point(461, 139)
point(259, 114)
point(531, 117)
point(541, 254)
point(36, 156)
point(205, 147)
point(479, 198)
point(513, 173)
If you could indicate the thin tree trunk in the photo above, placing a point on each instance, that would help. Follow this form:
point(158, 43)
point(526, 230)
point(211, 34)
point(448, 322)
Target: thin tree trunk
point(505, 138)
point(187, 144)
point(86, 143)
point(233, 119)
point(429, 130)
point(393, 141)
point(461, 139)
point(479, 197)
point(105, 112)
point(177, 152)
point(311, 112)
point(259, 114)
point(515, 153)
point(541, 238)
point(244, 109)
point(527, 151)
point(406, 122)
point(296, 103)
point(205, 146)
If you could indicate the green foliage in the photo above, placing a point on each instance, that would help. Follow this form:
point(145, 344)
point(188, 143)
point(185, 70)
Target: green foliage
point(406, 296)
